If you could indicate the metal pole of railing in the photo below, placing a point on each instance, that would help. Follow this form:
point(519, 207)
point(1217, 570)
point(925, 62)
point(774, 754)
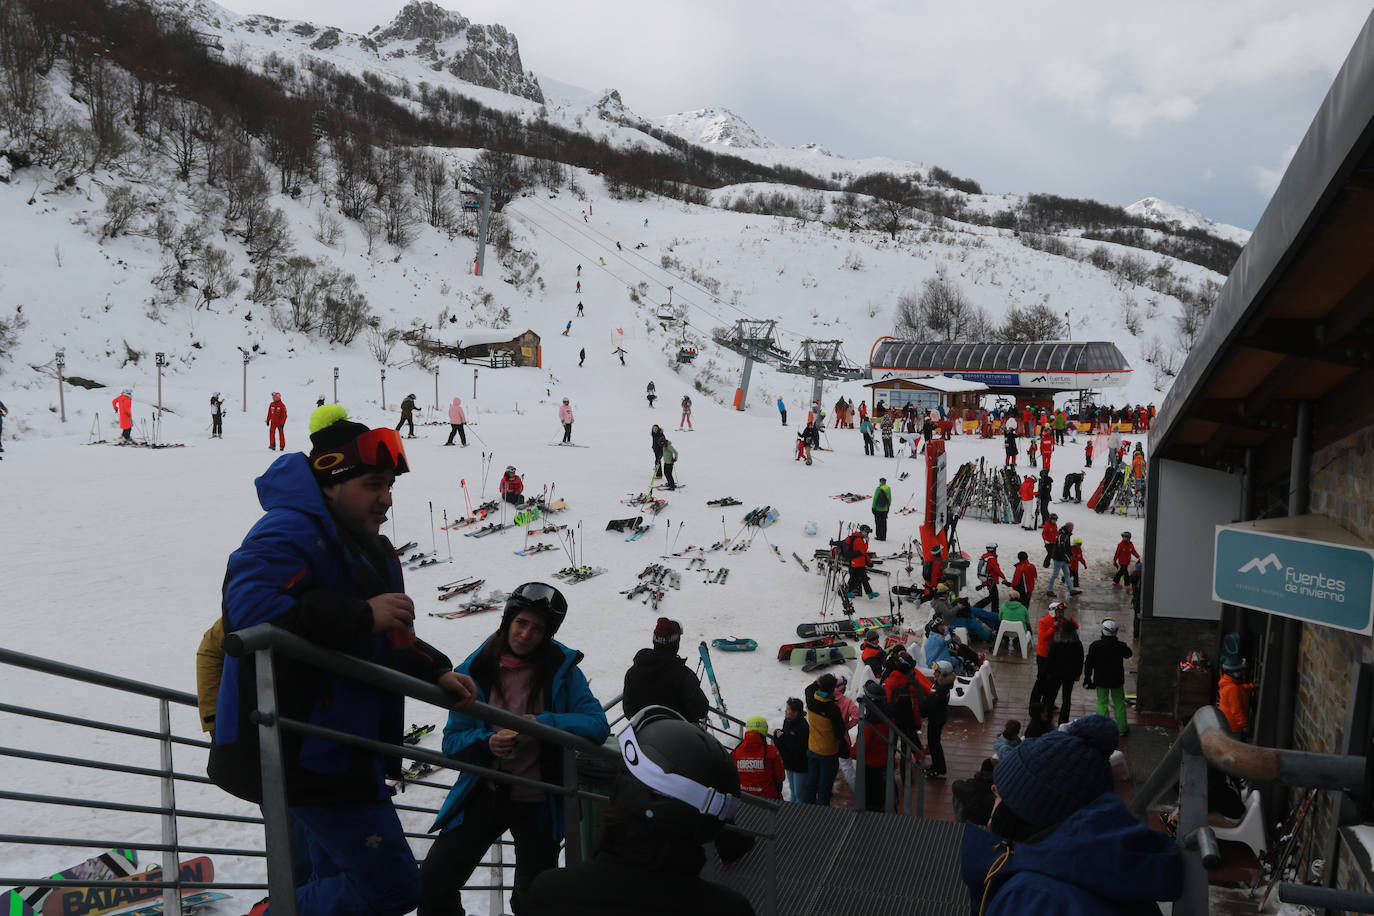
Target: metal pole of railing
point(860, 771)
point(1344, 901)
point(771, 904)
point(572, 811)
point(495, 900)
point(280, 880)
point(889, 780)
point(171, 857)
point(1192, 817)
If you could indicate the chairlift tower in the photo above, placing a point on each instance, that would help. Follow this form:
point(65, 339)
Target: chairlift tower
point(822, 360)
point(754, 340)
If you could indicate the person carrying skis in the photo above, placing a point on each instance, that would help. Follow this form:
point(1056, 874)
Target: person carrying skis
point(669, 460)
point(659, 677)
point(854, 550)
point(407, 416)
point(782, 409)
point(686, 421)
point(656, 442)
point(511, 486)
point(882, 502)
point(761, 773)
point(1027, 494)
point(1125, 552)
point(565, 416)
point(124, 408)
point(1104, 669)
point(216, 417)
point(989, 575)
point(317, 565)
point(276, 422)
point(651, 394)
point(523, 670)
point(457, 419)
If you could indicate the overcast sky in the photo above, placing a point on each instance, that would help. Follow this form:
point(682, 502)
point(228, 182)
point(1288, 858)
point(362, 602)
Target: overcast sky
point(1199, 102)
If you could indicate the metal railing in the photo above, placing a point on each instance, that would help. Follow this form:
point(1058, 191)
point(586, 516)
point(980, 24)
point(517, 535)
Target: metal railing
point(1207, 741)
point(904, 748)
point(265, 640)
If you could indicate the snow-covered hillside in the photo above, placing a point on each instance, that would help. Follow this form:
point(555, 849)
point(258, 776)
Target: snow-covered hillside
point(1162, 211)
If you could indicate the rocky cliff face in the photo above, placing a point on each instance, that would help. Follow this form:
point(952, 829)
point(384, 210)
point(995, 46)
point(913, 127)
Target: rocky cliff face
point(485, 55)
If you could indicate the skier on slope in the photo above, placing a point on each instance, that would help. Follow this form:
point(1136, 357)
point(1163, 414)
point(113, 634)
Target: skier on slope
point(565, 416)
point(651, 394)
point(124, 407)
point(216, 417)
point(457, 419)
point(686, 421)
point(276, 422)
point(407, 416)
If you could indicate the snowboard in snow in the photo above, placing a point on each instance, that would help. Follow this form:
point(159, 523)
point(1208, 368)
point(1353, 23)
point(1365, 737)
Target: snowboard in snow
point(785, 650)
point(190, 902)
point(112, 864)
point(846, 627)
point(808, 659)
point(735, 645)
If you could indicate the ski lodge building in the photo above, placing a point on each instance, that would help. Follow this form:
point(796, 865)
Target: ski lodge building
point(1030, 373)
point(1260, 504)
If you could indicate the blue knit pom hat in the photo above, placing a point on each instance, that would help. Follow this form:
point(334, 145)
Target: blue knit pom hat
point(1045, 780)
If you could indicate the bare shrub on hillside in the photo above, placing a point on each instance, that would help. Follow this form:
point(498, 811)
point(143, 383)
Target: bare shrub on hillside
point(1133, 269)
point(345, 309)
point(853, 261)
point(433, 190)
point(328, 229)
point(940, 311)
point(212, 275)
point(381, 341)
point(1032, 323)
point(1163, 360)
point(1050, 244)
point(124, 206)
point(1130, 314)
point(9, 333)
point(398, 218)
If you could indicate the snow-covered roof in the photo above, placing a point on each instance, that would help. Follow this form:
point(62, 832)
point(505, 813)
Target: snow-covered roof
point(941, 383)
point(478, 338)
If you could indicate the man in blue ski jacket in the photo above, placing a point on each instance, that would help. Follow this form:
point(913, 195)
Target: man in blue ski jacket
point(316, 565)
point(1061, 841)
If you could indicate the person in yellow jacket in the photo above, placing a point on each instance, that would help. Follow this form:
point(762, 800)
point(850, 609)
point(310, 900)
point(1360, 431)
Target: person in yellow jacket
point(1233, 697)
point(828, 740)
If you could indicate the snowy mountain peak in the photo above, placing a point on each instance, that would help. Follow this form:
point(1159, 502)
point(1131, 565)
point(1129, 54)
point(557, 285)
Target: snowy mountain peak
point(1162, 211)
point(816, 148)
point(485, 55)
point(715, 127)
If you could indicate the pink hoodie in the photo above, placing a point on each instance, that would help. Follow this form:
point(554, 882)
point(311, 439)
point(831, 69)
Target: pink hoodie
point(455, 412)
point(565, 413)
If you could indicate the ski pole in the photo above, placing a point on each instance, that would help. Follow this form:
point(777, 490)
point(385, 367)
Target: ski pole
point(433, 537)
point(448, 544)
point(466, 498)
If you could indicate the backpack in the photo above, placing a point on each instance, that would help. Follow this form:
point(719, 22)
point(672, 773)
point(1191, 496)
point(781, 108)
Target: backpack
point(983, 567)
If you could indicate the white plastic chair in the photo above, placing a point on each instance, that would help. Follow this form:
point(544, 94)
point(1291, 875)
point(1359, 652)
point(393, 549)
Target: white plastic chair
point(1012, 629)
point(988, 685)
point(1250, 830)
point(969, 695)
point(962, 634)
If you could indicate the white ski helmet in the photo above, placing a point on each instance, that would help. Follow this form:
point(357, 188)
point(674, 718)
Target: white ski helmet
point(1108, 627)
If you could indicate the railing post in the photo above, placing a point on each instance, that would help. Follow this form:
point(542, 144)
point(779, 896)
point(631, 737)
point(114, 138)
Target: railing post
point(860, 771)
point(572, 812)
point(281, 884)
point(496, 902)
point(171, 857)
point(889, 765)
point(1192, 815)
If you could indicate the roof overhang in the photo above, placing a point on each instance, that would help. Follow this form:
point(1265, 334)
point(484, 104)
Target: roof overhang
point(1295, 319)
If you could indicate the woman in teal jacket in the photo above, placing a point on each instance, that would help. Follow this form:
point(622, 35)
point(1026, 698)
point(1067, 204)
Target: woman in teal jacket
point(522, 669)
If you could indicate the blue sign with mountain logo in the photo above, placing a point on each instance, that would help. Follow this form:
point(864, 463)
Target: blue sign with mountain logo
point(1324, 583)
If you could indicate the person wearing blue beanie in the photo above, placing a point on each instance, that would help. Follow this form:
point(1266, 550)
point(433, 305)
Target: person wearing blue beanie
point(1061, 841)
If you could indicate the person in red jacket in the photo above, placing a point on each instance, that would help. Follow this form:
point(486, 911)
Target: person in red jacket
point(854, 550)
point(990, 575)
point(1044, 635)
point(1076, 561)
point(511, 486)
point(761, 773)
point(1088, 453)
point(1027, 423)
point(1233, 697)
point(124, 406)
point(1049, 534)
point(935, 568)
point(1125, 551)
point(1027, 494)
point(1023, 574)
point(1046, 447)
point(276, 420)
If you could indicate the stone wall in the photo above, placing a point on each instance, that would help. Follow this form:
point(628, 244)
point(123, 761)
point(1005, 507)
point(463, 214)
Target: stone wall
point(1341, 489)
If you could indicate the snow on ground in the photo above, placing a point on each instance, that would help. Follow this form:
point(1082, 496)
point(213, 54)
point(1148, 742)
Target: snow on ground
point(118, 554)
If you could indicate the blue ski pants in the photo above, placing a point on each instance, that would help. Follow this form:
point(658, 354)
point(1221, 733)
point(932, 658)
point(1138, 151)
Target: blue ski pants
point(361, 859)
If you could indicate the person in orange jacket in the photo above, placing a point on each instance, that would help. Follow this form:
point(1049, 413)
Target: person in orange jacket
point(1125, 552)
point(1044, 634)
point(276, 421)
point(1027, 494)
point(1233, 697)
point(1049, 534)
point(761, 773)
point(124, 406)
